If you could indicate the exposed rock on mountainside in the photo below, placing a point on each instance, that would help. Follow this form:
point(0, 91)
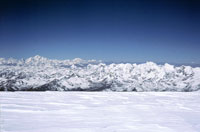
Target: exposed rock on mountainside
point(42, 74)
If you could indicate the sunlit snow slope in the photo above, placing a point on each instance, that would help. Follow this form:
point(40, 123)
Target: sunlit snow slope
point(42, 74)
point(99, 112)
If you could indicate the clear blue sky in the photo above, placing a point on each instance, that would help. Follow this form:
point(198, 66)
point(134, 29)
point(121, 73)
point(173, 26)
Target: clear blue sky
point(109, 30)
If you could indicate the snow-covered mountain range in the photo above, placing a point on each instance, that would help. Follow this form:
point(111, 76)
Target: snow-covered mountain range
point(42, 74)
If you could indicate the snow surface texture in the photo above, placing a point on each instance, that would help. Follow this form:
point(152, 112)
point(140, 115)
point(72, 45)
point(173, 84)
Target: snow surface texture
point(100, 112)
point(42, 74)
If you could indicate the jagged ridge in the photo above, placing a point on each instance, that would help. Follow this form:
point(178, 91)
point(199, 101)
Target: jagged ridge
point(42, 74)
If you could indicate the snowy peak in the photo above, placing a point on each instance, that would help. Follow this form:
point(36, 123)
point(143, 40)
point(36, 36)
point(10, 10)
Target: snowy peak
point(77, 60)
point(36, 59)
point(42, 61)
point(40, 73)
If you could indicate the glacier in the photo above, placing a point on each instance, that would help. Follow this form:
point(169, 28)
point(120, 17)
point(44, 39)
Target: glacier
point(42, 74)
point(99, 111)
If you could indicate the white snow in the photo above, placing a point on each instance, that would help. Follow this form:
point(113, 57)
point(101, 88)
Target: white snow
point(34, 72)
point(100, 112)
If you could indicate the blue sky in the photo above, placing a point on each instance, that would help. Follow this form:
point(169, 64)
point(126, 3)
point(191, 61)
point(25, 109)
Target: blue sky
point(109, 30)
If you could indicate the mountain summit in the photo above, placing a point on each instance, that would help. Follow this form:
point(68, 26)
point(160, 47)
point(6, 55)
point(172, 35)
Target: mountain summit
point(41, 74)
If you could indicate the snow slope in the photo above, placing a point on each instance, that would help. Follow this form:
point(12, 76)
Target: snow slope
point(41, 74)
point(100, 112)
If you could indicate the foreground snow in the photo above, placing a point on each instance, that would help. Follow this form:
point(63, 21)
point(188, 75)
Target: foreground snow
point(99, 112)
point(42, 74)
